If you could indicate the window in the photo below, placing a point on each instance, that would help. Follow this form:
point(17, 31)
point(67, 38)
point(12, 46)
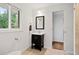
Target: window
point(3, 17)
point(15, 18)
point(9, 17)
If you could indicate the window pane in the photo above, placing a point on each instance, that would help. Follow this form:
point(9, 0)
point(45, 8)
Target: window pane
point(14, 19)
point(3, 17)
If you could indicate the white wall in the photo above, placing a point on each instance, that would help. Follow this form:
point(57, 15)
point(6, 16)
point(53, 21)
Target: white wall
point(7, 42)
point(28, 14)
point(48, 27)
point(68, 24)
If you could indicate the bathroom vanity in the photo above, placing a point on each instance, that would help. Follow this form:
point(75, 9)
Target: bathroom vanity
point(37, 41)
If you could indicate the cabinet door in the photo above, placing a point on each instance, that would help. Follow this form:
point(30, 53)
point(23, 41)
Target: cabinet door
point(36, 40)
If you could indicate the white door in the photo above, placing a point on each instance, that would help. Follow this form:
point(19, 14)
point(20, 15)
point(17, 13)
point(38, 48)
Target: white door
point(58, 23)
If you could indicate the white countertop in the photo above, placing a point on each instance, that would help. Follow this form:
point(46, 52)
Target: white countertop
point(38, 33)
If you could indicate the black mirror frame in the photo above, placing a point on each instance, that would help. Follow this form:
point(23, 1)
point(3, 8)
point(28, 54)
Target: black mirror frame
point(43, 22)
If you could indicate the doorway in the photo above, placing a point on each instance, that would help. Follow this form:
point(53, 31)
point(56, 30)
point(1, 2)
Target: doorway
point(58, 30)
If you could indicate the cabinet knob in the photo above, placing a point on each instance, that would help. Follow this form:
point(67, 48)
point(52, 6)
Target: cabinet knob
point(33, 44)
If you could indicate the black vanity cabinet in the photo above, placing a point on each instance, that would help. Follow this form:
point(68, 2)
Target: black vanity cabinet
point(38, 41)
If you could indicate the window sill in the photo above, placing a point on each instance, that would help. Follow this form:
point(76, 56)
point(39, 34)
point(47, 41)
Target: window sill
point(11, 30)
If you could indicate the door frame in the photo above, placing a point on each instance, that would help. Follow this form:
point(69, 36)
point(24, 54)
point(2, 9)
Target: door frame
point(53, 27)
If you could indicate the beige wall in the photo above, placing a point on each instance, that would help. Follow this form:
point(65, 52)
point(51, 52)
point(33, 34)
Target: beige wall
point(77, 29)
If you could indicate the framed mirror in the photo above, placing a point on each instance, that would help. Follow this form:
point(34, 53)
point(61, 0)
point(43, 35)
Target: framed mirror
point(40, 22)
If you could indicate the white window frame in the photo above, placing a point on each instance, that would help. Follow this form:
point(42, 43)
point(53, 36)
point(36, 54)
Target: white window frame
point(9, 6)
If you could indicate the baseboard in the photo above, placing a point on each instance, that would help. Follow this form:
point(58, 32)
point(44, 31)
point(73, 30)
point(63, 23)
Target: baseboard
point(76, 53)
point(70, 52)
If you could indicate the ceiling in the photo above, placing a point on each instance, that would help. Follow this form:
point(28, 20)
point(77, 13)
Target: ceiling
point(39, 5)
point(34, 5)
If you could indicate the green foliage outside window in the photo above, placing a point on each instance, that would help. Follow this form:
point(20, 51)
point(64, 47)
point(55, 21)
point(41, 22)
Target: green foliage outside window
point(3, 20)
point(13, 20)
